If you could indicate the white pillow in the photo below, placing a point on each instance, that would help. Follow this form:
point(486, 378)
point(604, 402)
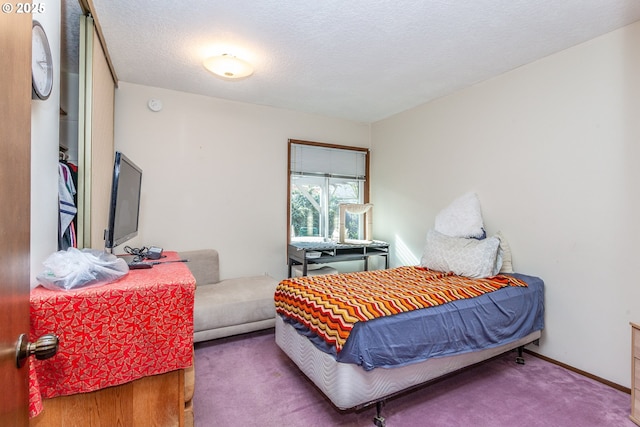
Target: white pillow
point(464, 257)
point(462, 218)
point(507, 265)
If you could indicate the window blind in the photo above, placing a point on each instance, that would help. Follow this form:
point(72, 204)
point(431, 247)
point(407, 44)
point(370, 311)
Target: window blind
point(324, 161)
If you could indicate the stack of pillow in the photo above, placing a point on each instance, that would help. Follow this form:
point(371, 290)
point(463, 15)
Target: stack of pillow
point(459, 243)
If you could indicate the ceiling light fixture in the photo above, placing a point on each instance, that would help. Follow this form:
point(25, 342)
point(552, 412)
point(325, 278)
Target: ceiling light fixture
point(228, 66)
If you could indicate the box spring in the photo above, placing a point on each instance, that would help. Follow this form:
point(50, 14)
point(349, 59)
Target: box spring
point(350, 386)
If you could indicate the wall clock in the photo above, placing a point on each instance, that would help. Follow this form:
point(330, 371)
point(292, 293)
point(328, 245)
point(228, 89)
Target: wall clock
point(41, 63)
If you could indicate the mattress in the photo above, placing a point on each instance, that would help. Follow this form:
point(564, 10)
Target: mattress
point(349, 386)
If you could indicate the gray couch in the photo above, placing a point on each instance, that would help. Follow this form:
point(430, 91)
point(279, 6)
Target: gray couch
point(231, 306)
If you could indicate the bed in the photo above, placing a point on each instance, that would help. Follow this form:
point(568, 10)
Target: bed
point(358, 358)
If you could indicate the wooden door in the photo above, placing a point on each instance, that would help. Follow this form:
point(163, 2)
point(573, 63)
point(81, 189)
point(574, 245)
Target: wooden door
point(15, 190)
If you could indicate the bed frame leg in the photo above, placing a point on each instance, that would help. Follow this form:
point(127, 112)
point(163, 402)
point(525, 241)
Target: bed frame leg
point(379, 420)
point(519, 358)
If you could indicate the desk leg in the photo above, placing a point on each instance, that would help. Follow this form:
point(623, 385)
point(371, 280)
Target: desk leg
point(292, 263)
point(386, 261)
point(366, 263)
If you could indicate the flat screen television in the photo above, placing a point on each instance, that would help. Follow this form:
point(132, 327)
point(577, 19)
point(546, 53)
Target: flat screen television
point(124, 209)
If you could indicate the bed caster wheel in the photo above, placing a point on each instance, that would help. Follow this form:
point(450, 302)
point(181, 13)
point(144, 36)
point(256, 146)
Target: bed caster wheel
point(520, 360)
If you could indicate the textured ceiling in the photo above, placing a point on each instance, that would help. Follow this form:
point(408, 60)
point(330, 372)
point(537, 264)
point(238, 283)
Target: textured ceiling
point(69, 34)
point(361, 60)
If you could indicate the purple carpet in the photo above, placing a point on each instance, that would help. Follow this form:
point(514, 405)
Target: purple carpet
point(248, 381)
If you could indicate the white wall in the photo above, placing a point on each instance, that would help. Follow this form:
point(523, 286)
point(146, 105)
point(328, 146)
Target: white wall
point(215, 172)
point(45, 118)
point(552, 151)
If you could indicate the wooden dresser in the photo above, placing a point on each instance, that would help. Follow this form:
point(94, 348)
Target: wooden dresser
point(125, 356)
point(635, 373)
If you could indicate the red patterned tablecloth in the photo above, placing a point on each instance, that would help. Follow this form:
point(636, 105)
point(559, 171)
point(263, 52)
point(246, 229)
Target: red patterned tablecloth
point(138, 326)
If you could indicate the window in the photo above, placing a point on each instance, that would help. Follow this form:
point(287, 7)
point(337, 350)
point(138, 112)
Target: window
point(321, 177)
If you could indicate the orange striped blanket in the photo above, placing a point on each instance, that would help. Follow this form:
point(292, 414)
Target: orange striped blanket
point(331, 305)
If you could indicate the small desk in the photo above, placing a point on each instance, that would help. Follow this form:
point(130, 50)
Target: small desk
point(299, 253)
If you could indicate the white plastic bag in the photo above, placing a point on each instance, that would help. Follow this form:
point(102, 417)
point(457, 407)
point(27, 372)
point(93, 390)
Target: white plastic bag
point(75, 268)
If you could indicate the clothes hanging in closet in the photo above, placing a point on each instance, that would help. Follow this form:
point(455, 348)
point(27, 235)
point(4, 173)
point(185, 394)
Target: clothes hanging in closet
point(67, 177)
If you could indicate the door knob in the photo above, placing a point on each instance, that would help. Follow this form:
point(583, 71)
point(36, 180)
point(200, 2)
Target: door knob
point(45, 347)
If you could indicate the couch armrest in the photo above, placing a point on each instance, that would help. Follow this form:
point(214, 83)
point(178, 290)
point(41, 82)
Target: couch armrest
point(204, 265)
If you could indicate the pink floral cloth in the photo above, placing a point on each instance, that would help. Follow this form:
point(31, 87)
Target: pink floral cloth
point(138, 326)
